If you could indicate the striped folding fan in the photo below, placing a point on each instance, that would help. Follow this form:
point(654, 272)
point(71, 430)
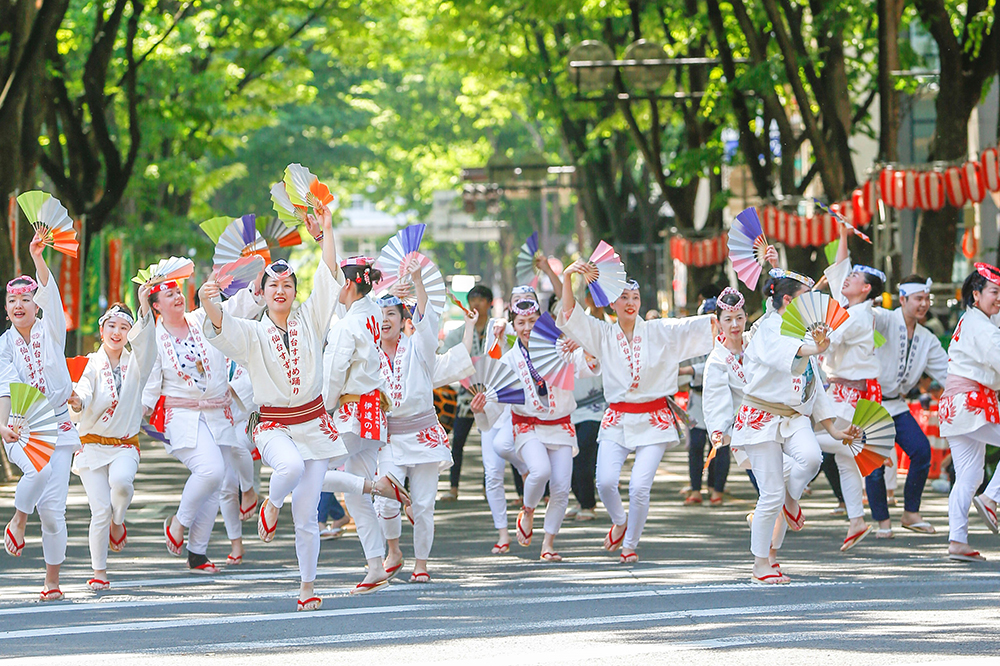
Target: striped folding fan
point(433, 284)
point(50, 220)
point(235, 239)
point(546, 348)
point(239, 273)
point(810, 311)
point(289, 213)
point(173, 268)
point(33, 419)
point(747, 246)
point(875, 448)
point(527, 257)
point(305, 189)
point(497, 380)
point(277, 234)
point(605, 275)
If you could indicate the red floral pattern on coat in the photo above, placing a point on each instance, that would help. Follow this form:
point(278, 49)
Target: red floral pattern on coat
point(266, 426)
point(611, 419)
point(570, 429)
point(327, 427)
point(227, 411)
point(662, 419)
point(433, 437)
point(523, 428)
point(984, 402)
point(946, 410)
point(753, 418)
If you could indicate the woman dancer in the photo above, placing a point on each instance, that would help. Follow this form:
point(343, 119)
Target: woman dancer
point(188, 392)
point(640, 361)
point(295, 436)
point(417, 445)
point(109, 399)
point(544, 437)
point(33, 347)
point(354, 394)
point(970, 416)
point(852, 368)
point(782, 394)
point(724, 379)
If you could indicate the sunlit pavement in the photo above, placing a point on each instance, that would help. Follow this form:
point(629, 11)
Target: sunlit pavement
point(689, 598)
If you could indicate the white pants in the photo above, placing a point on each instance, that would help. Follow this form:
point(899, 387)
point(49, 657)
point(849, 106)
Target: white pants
point(552, 466)
point(851, 481)
point(968, 453)
point(610, 458)
point(362, 460)
point(304, 480)
point(242, 460)
point(423, 491)
point(892, 473)
point(498, 450)
point(200, 498)
point(109, 493)
point(229, 491)
point(46, 493)
point(780, 469)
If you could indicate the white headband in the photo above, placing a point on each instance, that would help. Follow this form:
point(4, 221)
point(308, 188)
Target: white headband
point(911, 288)
point(117, 312)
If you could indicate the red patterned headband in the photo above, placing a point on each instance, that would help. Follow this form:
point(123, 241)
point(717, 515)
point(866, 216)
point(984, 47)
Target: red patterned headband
point(162, 286)
point(719, 303)
point(28, 285)
point(360, 260)
point(991, 273)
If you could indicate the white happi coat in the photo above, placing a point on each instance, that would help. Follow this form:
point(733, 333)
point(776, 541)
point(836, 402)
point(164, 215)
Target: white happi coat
point(413, 374)
point(642, 371)
point(241, 388)
point(558, 404)
point(722, 389)
point(902, 362)
point(41, 362)
point(169, 379)
point(851, 354)
point(352, 365)
point(776, 374)
point(290, 377)
point(974, 353)
point(108, 412)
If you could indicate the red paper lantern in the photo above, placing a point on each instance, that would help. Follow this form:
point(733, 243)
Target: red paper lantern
point(885, 187)
point(953, 187)
point(858, 208)
point(910, 189)
point(869, 197)
point(973, 183)
point(990, 162)
point(899, 189)
point(770, 222)
point(932, 190)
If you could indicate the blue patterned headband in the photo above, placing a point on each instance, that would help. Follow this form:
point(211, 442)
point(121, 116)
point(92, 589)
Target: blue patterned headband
point(778, 273)
point(632, 285)
point(389, 300)
point(858, 268)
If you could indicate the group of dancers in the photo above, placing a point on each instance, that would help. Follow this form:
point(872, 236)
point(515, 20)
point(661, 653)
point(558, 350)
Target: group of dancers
point(336, 395)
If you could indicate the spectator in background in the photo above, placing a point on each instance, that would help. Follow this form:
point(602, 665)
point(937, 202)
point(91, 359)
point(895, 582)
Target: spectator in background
point(481, 300)
point(332, 517)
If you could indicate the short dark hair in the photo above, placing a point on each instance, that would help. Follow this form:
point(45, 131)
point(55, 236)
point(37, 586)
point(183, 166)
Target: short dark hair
point(777, 288)
point(913, 279)
point(710, 290)
point(480, 291)
point(975, 282)
point(877, 284)
point(354, 274)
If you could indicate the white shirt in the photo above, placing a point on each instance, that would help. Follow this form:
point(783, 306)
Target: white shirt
point(903, 361)
point(722, 389)
point(851, 354)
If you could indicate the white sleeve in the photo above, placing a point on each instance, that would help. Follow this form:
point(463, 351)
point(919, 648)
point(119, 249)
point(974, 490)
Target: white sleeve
point(235, 339)
point(53, 318)
point(835, 275)
point(154, 385)
point(452, 366)
point(84, 388)
point(581, 328)
point(937, 361)
point(717, 399)
point(686, 338)
point(337, 358)
point(142, 337)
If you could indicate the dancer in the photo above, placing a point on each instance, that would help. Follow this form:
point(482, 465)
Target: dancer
point(354, 393)
point(968, 409)
point(33, 347)
point(724, 379)
point(544, 437)
point(417, 446)
point(909, 352)
point(852, 368)
point(188, 394)
point(242, 460)
point(295, 436)
point(640, 363)
point(782, 394)
point(109, 399)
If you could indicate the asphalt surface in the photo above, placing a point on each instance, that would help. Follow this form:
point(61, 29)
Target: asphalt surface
point(689, 598)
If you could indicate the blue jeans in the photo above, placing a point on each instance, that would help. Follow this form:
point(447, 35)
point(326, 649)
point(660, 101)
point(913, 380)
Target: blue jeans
point(329, 508)
point(914, 443)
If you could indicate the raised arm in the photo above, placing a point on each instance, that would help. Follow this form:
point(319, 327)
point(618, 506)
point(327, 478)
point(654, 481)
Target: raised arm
point(546, 267)
point(416, 274)
point(41, 268)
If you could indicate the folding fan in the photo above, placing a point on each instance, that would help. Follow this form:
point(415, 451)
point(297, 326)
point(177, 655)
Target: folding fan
point(289, 213)
point(238, 274)
point(451, 297)
point(810, 311)
point(526, 267)
point(34, 421)
point(747, 247)
point(154, 433)
point(277, 234)
point(843, 220)
point(238, 238)
point(497, 380)
point(433, 284)
point(605, 275)
point(50, 220)
point(304, 189)
point(174, 268)
point(876, 447)
point(546, 347)
point(76, 366)
point(397, 254)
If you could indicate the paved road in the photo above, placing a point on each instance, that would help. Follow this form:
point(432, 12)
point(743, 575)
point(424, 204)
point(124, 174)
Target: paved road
point(894, 601)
